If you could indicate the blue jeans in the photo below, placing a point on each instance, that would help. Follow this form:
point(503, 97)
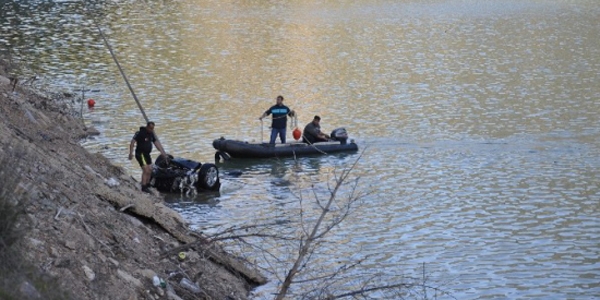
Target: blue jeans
point(275, 132)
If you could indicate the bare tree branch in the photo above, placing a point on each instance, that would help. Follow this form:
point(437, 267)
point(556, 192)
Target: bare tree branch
point(305, 249)
point(293, 255)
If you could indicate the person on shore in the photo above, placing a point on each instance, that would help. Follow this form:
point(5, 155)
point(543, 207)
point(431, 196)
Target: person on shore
point(280, 113)
point(143, 140)
point(312, 132)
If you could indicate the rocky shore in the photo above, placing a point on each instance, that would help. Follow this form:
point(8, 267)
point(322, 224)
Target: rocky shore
point(90, 229)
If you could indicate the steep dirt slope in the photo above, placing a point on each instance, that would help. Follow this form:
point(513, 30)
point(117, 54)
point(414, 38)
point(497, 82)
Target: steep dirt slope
point(91, 227)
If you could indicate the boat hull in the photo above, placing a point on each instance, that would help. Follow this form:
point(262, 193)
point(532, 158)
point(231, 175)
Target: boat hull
point(241, 149)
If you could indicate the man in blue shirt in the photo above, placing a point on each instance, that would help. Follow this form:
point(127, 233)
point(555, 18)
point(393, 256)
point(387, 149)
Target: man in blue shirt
point(279, 119)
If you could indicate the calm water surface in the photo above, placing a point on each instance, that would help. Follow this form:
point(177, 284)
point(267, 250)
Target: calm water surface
point(478, 121)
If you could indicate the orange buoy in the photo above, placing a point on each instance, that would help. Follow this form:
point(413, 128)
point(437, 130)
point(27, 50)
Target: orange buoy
point(297, 134)
point(91, 103)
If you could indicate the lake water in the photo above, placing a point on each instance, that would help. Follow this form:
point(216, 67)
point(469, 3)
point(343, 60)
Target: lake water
point(477, 123)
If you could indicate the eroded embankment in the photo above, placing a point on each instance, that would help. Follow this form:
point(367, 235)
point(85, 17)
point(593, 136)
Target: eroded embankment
point(89, 226)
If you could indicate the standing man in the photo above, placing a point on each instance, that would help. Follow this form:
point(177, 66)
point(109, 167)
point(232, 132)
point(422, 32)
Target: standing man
point(279, 123)
point(143, 139)
point(312, 132)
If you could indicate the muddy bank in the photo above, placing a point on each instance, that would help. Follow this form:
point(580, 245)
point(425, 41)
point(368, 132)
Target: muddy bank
point(90, 226)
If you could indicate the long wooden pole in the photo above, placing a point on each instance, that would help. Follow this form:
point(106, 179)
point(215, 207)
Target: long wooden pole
point(122, 73)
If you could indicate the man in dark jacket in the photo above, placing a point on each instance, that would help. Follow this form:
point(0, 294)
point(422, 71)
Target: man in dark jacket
point(279, 123)
point(143, 139)
point(312, 132)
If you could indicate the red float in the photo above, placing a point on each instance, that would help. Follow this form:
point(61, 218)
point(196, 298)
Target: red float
point(297, 134)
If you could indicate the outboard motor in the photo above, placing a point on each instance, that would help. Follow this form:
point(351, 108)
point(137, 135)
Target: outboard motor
point(339, 134)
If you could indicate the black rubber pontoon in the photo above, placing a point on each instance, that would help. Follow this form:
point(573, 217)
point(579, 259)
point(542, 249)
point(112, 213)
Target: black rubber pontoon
point(240, 149)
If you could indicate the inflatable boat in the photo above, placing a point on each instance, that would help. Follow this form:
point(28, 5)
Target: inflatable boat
point(227, 148)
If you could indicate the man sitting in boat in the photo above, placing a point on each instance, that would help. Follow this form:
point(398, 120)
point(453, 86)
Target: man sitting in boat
point(312, 132)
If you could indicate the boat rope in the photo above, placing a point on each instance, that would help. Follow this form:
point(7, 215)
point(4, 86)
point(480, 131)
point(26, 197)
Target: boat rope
point(294, 122)
point(315, 147)
point(273, 118)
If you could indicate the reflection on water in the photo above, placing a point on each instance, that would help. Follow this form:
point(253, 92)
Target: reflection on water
point(478, 121)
